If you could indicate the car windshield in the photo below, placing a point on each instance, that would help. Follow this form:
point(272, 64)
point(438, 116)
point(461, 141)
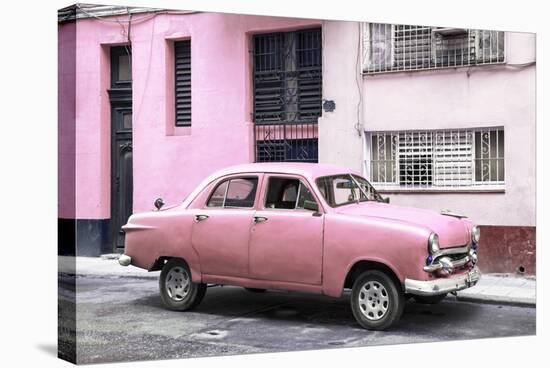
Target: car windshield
point(344, 189)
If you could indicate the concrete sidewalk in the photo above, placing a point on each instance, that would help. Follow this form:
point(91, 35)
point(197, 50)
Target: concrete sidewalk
point(502, 289)
point(492, 288)
point(104, 266)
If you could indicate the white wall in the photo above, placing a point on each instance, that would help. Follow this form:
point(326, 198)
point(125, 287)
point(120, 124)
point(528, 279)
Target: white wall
point(498, 95)
point(339, 140)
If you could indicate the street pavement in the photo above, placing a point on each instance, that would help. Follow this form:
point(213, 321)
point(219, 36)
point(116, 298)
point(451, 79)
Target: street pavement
point(121, 318)
point(492, 288)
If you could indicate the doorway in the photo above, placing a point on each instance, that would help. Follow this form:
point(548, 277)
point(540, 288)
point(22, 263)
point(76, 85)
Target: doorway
point(120, 96)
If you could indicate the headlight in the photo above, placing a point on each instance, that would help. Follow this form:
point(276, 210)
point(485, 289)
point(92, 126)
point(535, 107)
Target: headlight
point(476, 233)
point(433, 243)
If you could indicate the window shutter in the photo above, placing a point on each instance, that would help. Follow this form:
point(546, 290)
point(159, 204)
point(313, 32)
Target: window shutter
point(287, 77)
point(182, 52)
point(453, 158)
point(308, 53)
point(287, 95)
point(269, 96)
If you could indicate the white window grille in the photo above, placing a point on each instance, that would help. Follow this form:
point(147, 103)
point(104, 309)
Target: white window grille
point(394, 47)
point(437, 159)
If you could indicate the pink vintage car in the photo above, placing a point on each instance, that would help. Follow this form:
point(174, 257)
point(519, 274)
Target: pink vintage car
point(303, 227)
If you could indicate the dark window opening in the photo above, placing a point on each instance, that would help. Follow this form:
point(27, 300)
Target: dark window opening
point(287, 81)
point(416, 171)
point(281, 150)
point(235, 193)
point(287, 193)
point(287, 76)
point(182, 66)
point(121, 67)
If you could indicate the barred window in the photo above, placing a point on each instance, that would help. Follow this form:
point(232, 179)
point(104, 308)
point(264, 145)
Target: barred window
point(287, 76)
point(437, 159)
point(182, 69)
point(287, 95)
point(393, 47)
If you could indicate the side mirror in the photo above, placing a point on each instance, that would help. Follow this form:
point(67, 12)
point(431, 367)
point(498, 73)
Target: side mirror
point(311, 205)
point(387, 200)
point(159, 203)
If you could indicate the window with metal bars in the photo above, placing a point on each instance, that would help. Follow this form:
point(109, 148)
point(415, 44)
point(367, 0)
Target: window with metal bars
point(437, 159)
point(182, 70)
point(393, 47)
point(287, 76)
point(287, 79)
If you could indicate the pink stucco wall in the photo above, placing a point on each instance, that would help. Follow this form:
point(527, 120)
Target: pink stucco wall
point(66, 111)
point(168, 161)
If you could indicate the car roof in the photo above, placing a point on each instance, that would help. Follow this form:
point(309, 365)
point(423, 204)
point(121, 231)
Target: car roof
point(310, 170)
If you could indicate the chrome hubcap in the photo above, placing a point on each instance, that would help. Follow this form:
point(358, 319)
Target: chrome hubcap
point(177, 283)
point(373, 300)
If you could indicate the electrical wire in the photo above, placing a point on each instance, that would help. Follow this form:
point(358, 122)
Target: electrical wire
point(154, 12)
point(118, 21)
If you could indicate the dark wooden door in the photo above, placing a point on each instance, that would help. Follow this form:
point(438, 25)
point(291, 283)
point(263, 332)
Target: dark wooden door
point(122, 173)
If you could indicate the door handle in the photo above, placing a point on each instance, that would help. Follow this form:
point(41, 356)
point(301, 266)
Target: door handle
point(257, 219)
point(199, 218)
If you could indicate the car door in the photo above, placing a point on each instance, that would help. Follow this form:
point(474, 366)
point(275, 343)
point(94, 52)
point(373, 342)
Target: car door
point(286, 240)
point(221, 228)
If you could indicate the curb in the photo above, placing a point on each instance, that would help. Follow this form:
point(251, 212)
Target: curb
point(146, 276)
point(497, 299)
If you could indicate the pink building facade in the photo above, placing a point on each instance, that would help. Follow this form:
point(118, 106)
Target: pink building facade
point(167, 160)
point(414, 122)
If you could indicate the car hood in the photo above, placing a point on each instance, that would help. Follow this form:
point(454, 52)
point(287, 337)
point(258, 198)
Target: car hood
point(452, 231)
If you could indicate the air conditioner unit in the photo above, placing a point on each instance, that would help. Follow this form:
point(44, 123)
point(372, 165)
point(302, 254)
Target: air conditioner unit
point(450, 31)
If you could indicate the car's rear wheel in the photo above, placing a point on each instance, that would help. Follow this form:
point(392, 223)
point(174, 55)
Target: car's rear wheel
point(376, 301)
point(429, 299)
point(177, 290)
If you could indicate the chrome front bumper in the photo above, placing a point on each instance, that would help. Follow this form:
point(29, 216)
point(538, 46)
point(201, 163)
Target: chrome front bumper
point(437, 265)
point(124, 260)
point(443, 285)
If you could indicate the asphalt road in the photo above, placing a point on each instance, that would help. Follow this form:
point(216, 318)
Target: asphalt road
point(123, 319)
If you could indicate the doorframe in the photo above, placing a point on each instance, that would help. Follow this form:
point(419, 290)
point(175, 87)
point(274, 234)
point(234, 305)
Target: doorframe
point(120, 95)
point(119, 101)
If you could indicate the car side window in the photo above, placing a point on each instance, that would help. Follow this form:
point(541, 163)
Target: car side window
point(218, 196)
point(305, 195)
point(234, 193)
point(287, 193)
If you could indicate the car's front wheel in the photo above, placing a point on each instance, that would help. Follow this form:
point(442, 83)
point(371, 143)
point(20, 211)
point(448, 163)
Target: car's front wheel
point(376, 301)
point(177, 290)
